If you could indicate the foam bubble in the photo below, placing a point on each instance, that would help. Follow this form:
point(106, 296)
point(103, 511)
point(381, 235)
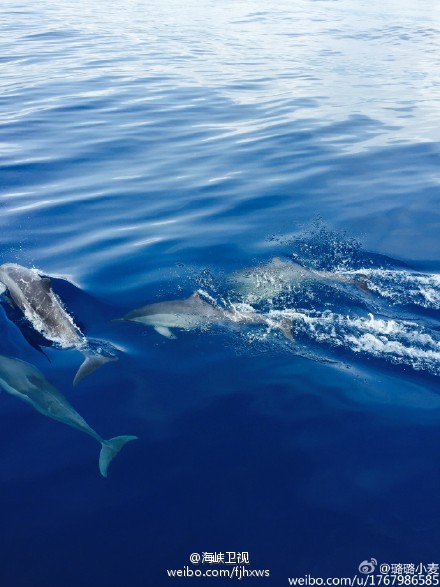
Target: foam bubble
point(403, 287)
point(397, 341)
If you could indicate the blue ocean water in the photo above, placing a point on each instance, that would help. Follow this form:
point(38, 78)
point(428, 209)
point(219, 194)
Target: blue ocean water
point(150, 149)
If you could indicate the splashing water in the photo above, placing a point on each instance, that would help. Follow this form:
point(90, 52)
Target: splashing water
point(402, 287)
point(398, 341)
point(345, 298)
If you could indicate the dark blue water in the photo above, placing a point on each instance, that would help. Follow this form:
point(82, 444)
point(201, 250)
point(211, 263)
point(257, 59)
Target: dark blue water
point(149, 149)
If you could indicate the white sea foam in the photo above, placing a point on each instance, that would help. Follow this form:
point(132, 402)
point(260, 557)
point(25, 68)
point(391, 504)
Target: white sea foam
point(402, 287)
point(398, 341)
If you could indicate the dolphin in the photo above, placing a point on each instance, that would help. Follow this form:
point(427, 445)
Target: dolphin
point(269, 280)
point(27, 383)
point(195, 313)
point(33, 295)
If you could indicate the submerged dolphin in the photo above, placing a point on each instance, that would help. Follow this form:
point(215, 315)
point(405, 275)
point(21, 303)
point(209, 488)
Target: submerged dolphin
point(33, 295)
point(268, 280)
point(193, 313)
point(25, 382)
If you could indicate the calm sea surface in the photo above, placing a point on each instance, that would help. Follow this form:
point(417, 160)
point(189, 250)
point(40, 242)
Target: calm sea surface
point(153, 148)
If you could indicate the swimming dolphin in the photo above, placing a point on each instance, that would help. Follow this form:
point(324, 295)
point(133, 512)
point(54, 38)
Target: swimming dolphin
point(195, 313)
point(268, 280)
point(27, 383)
point(33, 295)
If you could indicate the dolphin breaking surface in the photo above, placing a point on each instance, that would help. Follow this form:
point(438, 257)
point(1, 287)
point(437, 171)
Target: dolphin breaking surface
point(384, 312)
point(195, 313)
point(33, 295)
point(376, 312)
point(366, 310)
point(341, 300)
point(268, 280)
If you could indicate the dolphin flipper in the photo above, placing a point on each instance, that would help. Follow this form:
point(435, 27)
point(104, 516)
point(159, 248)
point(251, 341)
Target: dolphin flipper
point(164, 331)
point(110, 448)
point(90, 364)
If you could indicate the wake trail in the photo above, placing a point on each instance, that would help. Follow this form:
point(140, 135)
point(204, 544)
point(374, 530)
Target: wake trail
point(397, 341)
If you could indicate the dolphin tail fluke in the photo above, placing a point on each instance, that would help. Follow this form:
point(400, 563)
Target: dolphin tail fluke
point(90, 364)
point(110, 448)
